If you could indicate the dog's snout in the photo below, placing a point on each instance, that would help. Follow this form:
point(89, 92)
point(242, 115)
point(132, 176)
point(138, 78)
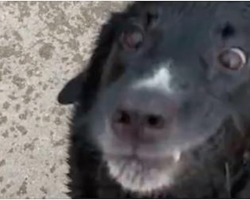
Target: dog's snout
point(138, 120)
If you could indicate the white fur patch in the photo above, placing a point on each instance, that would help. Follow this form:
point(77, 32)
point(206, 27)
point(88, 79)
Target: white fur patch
point(161, 79)
point(136, 177)
point(177, 156)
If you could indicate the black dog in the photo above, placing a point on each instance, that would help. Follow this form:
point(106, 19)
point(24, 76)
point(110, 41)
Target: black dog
point(163, 107)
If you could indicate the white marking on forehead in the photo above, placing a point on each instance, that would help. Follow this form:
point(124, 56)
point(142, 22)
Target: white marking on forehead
point(161, 79)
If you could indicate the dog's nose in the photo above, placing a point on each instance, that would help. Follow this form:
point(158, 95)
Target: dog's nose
point(130, 122)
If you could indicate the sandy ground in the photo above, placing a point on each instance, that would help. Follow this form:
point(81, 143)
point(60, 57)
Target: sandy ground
point(42, 46)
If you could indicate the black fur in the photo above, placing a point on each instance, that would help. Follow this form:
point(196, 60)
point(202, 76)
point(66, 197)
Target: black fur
point(84, 159)
point(88, 175)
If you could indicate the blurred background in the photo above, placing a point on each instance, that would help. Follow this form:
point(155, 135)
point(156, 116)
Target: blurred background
point(42, 46)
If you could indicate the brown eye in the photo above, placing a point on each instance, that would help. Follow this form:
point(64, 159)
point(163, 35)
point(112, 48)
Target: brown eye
point(132, 39)
point(234, 59)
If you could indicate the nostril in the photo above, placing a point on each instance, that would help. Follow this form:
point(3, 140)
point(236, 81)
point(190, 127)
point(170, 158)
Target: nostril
point(122, 117)
point(154, 121)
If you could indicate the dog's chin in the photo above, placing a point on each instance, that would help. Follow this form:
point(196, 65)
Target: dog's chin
point(143, 176)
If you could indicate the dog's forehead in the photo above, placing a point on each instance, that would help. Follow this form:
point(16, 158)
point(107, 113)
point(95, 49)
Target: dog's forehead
point(187, 37)
point(181, 40)
point(181, 47)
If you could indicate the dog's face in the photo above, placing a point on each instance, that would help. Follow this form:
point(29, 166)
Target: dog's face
point(169, 84)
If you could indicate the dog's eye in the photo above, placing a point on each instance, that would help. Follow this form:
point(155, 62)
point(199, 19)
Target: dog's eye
point(233, 58)
point(132, 39)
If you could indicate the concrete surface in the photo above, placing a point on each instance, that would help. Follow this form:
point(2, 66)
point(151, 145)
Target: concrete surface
point(42, 45)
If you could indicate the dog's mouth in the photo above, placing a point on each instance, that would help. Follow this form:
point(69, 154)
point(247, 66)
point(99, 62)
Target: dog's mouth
point(143, 175)
point(148, 173)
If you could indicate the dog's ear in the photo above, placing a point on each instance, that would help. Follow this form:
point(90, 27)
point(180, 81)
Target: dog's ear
point(71, 90)
point(87, 82)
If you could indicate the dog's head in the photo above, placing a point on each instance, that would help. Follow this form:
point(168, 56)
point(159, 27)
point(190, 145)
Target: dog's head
point(174, 76)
